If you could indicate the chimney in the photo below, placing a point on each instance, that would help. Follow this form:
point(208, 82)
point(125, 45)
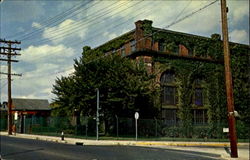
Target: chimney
point(143, 28)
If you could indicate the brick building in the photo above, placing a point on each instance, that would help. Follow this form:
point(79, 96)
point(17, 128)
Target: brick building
point(157, 48)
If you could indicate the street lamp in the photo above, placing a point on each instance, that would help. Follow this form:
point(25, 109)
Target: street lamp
point(97, 113)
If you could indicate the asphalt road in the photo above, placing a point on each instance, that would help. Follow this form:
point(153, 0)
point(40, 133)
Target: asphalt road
point(26, 149)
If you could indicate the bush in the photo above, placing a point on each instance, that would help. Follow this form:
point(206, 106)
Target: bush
point(172, 131)
point(243, 131)
point(177, 132)
point(200, 132)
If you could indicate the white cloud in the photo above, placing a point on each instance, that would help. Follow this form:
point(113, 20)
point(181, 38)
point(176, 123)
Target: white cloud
point(238, 10)
point(110, 35)
point(46, 53)
point(44, 65)
point(21, 11)
point(204, 22)
point(36, 25)
point(239, 36)
point(69, 28)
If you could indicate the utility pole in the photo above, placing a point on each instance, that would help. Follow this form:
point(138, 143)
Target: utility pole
point(8, 50)
point(228, 79)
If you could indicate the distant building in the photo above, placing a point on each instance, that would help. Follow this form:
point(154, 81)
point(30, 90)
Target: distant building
point(31, 109)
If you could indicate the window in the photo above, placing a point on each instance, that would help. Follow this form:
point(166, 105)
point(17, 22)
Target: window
point(168, 88)
point(176, 49)
point(200, 116)
point(190, 51)
point(133, 45)
point(162, 46)
point(169, 95)
point(170, 116)
point(123, 51)
point(198, 93)
point(167, 77)
point(198, 97)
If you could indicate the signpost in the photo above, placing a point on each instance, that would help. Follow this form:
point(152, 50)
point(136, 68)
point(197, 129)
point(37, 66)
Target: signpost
point(15, 124)
point(97, 113)
point(136, 118)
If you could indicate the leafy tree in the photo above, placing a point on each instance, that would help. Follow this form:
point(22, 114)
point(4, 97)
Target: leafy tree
point(124, 85)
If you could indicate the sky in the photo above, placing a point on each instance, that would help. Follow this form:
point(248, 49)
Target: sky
point(53, 32)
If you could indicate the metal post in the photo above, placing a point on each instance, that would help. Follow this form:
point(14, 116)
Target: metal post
point(228, 78)
point(136, 118)
point(155, 127)
point(86, 130)
point(62, 136)
point(24, 125)
point(97, 114)
point(117, 121)
point(136, 129)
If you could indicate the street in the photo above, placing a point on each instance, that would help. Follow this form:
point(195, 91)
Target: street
point(13, 148)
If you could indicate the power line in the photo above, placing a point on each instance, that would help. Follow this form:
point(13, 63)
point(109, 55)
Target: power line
point(183, 10)
point(98, 33)
point(191, 14)
point(173, 23)
point(81, 42)
point(177, 21)
point(79, 26)
point(51, 20)
point(39, 30)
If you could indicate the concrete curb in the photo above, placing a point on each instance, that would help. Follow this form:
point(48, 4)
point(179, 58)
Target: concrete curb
point(119, 142)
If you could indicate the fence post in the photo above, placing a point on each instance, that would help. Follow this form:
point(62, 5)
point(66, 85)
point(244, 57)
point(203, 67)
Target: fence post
point(117, 125)
point(136, 118)
point(86, 127)
point(62, 136)
point(155, 126)
point(24, 125)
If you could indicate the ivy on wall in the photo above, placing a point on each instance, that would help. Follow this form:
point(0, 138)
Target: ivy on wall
point(116, 43)
point(213, 74)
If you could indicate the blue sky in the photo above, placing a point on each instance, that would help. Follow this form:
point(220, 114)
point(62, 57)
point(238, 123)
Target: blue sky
point(53, 32)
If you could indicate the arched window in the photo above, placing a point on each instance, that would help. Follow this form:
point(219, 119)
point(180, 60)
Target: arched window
point(168, 88)
point(199, 112)
point(198, 94)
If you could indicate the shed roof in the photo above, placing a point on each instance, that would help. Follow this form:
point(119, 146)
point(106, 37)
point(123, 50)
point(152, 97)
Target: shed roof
point(30, 104)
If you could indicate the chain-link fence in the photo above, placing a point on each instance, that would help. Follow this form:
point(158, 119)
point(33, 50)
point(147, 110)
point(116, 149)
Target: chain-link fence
point(122, 128)
point(3, 124)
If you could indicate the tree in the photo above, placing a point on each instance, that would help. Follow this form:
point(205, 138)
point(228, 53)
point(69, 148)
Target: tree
point(125, 87)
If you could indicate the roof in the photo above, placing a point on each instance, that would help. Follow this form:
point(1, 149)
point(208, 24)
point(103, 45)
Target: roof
point(155, 29)
point(191, 35)
point(116, 38)
point(30, 104)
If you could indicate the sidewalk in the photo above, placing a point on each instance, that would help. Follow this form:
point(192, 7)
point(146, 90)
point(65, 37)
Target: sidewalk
point(208, 147)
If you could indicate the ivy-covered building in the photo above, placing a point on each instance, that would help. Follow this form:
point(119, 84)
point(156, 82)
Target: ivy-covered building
point(190, 72)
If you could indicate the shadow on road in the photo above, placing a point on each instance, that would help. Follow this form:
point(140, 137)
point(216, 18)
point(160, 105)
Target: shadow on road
point(22, 152)
point(227, 150)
